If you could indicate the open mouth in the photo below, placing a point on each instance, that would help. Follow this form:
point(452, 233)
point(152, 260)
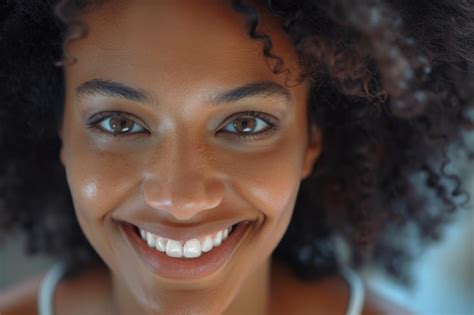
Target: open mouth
point(190, 259)
point(189, 249)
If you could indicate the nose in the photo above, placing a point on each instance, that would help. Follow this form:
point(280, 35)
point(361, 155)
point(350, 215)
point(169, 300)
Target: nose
point(182, 181)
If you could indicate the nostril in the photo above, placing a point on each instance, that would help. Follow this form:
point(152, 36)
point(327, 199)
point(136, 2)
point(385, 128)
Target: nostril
point(183, 197)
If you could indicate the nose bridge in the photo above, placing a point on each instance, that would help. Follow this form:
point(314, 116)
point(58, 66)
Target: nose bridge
point(182, 180)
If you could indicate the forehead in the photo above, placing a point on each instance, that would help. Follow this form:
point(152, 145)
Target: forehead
point(161, 45)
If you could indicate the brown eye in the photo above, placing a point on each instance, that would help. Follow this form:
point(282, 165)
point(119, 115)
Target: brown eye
point(117, 123)
point(121, 124)
point(250, 125)
point(245, 124)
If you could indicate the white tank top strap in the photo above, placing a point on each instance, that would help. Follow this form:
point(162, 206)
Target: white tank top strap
point(353, 280)
point(357, 295)
point(48, 286)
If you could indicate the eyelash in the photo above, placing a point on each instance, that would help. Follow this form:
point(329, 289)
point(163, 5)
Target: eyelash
point(269, 120)
point(100, 117)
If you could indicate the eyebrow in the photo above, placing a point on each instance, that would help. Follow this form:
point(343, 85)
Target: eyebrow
point(261, 89)
point(113, 89)
point(121, 90)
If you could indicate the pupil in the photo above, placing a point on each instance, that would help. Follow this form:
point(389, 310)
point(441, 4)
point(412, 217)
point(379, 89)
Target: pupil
point(245, 124)
point(120, 125)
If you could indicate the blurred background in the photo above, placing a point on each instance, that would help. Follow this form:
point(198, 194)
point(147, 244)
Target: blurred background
point(444, 274)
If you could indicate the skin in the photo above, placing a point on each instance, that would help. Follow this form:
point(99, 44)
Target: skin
point(182, 171)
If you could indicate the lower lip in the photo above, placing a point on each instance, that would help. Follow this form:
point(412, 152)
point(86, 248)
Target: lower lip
point(185, 268)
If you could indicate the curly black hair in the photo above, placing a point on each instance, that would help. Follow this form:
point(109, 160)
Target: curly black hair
point(392, 90)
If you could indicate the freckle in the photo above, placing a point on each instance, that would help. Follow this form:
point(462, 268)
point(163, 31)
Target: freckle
point(90, 190)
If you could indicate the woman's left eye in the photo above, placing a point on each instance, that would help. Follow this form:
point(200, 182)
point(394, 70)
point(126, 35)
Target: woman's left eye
point(251, 125)
point(116, 123)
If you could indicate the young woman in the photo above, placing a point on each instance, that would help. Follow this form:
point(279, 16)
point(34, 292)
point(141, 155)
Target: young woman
point(227, 157)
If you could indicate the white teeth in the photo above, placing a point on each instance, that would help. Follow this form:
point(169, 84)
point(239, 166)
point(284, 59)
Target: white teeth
point(174, 249)
point(161, 244)
point(218, 239)
point(207, 244)
point(151, 239)
point(192, 248)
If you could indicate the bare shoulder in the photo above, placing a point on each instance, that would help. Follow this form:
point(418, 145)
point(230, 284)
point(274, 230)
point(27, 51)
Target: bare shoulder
point(21, 298)
point(291, 295)
point(88, 290)
point(87, 293)
point(376, 304)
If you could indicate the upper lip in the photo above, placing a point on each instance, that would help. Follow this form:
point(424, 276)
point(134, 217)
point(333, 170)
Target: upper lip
point(184, 232)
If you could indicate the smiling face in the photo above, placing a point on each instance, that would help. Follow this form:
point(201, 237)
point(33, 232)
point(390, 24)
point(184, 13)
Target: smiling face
point(211, 137)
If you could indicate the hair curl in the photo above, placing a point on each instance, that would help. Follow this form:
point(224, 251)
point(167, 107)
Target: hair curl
point(392, 90)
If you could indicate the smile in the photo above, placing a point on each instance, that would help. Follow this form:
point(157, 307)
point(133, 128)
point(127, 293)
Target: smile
point(192, 248)
point(186, 260)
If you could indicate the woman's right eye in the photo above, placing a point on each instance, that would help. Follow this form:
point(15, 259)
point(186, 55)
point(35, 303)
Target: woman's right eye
point(116, 124)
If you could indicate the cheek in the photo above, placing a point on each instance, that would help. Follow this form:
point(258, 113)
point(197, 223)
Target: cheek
point(99, 180)
point(269, 181)
point(269, 184)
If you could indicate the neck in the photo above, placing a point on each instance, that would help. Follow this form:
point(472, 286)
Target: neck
point(254, 294)
point(252, 297)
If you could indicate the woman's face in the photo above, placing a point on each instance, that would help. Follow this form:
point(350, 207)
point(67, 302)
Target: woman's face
point(186, 161)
